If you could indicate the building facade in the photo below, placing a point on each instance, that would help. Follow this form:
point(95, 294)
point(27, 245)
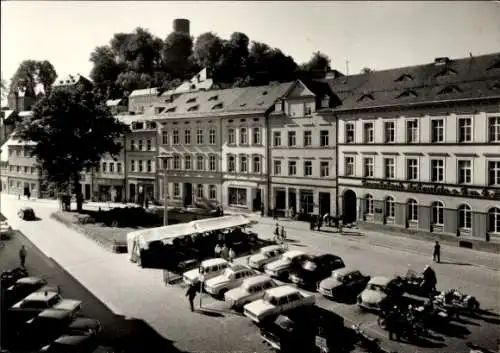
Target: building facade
point(22, 172)
point(419, 148)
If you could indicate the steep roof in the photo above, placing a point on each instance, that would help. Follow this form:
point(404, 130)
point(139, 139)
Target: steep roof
point(153, 91)
point(442, 80)
point(70, 80)
point(129, 119)
point(259, 98)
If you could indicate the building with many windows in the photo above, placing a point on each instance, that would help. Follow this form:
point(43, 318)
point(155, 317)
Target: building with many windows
point(419, 147)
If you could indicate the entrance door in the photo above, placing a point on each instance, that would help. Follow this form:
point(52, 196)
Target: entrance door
point(131, 195)
point(26, 189)
point(324, 203)
point(279, 199)
point(188, 194)
point(257, 200)
point(349, 206)
point(292, 200)
point(87, 191)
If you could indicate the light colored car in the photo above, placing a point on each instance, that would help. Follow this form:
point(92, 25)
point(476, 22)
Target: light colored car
point(377, 290)
point(251, 289)
point(231, 278)
point(343, 281)
point(281, 267)
point(208, 268)
point(37, 302)
point(277, 300)
point(265, 255)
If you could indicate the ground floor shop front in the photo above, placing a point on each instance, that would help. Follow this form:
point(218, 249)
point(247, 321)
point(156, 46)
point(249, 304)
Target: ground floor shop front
point(287, 200)
point(186, 192)
point(247, 196)
point(22, 186)
point(438, 214)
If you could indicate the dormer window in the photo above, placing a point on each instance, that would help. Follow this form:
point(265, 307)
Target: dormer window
point(217, 106)
point(260, 103)
point(242, 104)
point(137, 126)
point(446, 72)
point(213, 98)
point(159, 110)
point(278, 106)
point(408, 94)
point(171, 110)
point(495, 65)
point(264, 93)
point(496, 86)
point(450, 89)
point(193, 108)
point(366, 97)
point(191, 100)
point(441, 61)
point(404, 77)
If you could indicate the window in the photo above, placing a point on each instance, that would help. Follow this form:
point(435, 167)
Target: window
point(212, 163)
point(231, 136)
point(465, 130)
point(164, 137)
point(412, 169)
point(199, 137)
point(389, 207)
point(237, 197)
point(465, 172)
point(132, 145)
point(307, 110)
point(324, 138)
point(437, 213)
point(493, 172)
point(437, 170)
point(177, 191)
point(276, 138)
point(494, 220)
point(199, 191)
point(200, 163)
point(291, 139)
point(277, 167)
point(243, 136)
point(368, 167)
point(148, 145)
point(141, 146)
point(119, 167)
point(231, 164)
point(175, 137)
point(149, 167)
point(256, 165)
point(18, 169)
point(324, 169)
point(177, 162)
point(369, 204)
point(187, 137)
point(464, 217)
point(437, 133)
point(389, 132)
point(256, 136)
point(389, 168)
point(292, 168)
point(111, 167)
point(243, 164)
point(187, 162)
point(412, 210)
point(349, 166)
point(308, 168)
point(494, 129)
point(212, 192)
point(141, 166)
point(412, 131)
point(307, 138)
point(104, 165)
point(211, 136)
point(349, 133)
point(368, 133)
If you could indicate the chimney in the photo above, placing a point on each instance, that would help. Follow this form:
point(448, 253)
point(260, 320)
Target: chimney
point(441, 61)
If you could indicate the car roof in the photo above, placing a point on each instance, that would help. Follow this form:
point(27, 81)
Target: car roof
point(238, 267)
point(41, 296)
point(270, 248)
point(212, 262)
point(54, 314)
point(344, 271)
point(29, 280)
point(380, 280)
point(294, 253)
point(325, 256)
point(282, 290)
point(71, 340)
point(257, 279)
point(26, 208)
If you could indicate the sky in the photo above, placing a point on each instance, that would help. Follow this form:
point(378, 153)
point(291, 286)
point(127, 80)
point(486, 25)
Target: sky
point(378, 35)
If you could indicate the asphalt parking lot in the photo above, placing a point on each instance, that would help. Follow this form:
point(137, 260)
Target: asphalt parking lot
point(126, 334)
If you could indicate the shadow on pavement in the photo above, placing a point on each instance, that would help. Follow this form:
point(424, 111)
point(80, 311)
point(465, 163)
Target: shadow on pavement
point(452, 330)
point(486, 316)
point(209, 312)
point(427, 343)
point(455, 263)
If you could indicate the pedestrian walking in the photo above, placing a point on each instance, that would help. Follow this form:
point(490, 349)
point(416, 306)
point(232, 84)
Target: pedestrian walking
point(28, 195)
point(436, 256)
point(225, 252)
point(275, 217)
point(283, 233)
point(191, 294)
point(231, 255)
point(320, 222)
point(217, 250)
point(22, 256)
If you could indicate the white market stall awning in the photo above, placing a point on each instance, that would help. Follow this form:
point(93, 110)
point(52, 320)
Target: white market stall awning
point(211, 224)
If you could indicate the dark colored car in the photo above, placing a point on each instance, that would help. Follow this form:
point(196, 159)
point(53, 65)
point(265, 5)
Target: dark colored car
point(71, 344)
point(309, 272)
point(83, 326)
point(26, 214)
point(44, 327)
point(24, 287)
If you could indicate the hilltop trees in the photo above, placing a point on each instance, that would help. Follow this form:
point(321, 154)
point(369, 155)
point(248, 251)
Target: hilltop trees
point(30, 73)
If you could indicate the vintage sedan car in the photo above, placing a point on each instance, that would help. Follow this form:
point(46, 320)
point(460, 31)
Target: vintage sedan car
point(26, 214)
point(251, 289)
point(343, 282)
point(44, 327)
point(25, 286)
point(231, 278)
point(5, 230)
point(379, 291)
point(277, 300)
point(71, 344)
point(307, 273)
point(281, 267)
point(265, 255)
point(208, 269)
point(83, 326)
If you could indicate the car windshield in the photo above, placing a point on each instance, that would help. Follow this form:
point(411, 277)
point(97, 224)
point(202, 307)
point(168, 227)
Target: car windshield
point(376, 287)
point(268, 298)
point(338, 277)
point(309, 265)
point(228, 272)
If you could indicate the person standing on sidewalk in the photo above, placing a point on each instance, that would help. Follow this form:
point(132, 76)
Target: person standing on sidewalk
point(436, 256)
point(191, 294)
point(22, 256)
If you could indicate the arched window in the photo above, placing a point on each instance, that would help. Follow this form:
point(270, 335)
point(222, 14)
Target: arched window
point(231, 164)
point(368, 204)
point(464, 217)
point(412, 210)
point(438, 213)
point(389, 207)
point(494, 220)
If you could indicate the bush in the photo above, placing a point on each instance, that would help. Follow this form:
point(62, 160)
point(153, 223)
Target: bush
point(127, 217)
point(85, 219)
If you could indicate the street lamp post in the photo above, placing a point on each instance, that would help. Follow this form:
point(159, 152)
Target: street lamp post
point(165, 158)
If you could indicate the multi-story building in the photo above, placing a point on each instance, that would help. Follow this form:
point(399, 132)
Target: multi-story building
point(73, 83)
point(118, 106)
point(302, 137)
point(419, 147)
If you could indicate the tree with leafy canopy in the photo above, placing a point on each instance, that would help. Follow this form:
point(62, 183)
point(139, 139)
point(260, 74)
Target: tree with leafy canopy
point(177, 55)
point(366, 70)
point(72, 130)
point(317, 66)
point(30, 73)
point(3, 89)
point(207, 51)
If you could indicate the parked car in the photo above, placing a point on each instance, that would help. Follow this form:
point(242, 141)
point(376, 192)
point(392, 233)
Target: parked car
point(231, 278)
point(277, 300)
point(343, 282)
point(378, 291)
point(83, 326)
point(281, 267)
point(9, 277)
point(71, 344)
point(45, 327)
point(25, 286)
point(208, 268)
point(307, 273)
point(26, 214)
point(265, 255)
point(5, 230)
point(251, 289)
